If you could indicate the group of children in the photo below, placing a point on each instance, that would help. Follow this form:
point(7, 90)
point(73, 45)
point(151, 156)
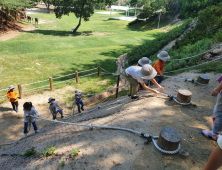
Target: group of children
point(29, 109)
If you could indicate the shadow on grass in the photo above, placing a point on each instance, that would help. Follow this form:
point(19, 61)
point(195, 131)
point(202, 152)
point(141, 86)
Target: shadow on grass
point(61, 33)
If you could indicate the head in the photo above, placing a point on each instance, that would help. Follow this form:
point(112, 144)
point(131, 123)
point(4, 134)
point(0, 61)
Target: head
point(163, 55)
point(143, 61)
point(11, 88)
point(77, 92)
point(27, 106)
point(147, 72)
point(51, 100)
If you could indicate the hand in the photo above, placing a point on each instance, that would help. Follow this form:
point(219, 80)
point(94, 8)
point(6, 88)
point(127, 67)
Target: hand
point(161, 88)
point(155, 91)
point(214, 93)
point(14, 98)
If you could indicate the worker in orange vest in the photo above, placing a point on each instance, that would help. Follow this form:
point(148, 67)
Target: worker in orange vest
point(13, 96)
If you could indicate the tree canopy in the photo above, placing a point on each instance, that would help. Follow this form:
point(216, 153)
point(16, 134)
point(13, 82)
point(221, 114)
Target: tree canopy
point(81, 8)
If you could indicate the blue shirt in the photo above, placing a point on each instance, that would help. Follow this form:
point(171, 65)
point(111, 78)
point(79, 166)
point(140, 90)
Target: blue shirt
point(78, 100)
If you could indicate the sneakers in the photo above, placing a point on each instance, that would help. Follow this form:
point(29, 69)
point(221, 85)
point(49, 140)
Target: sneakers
point(25, 135)
point(135, 97)
point(210, 134)
point(62, 116)
point(37, 131)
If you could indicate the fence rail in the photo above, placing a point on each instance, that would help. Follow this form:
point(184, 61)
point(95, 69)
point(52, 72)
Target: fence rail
point(50, 80)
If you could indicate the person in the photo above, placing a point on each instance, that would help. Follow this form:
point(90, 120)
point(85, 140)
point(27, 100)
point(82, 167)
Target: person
point(78, 98)
point(214, 161)
point(141, 62)
point(217, 113)
point(55, 108)
point(135, 75)
point(13, 96)
point(159, 65)
point(29, 111)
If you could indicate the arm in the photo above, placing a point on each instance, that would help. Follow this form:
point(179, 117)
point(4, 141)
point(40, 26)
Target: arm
point(147, 88)
point(216, 90)
point(159, 86)
point(214, 161)
point(60, 107)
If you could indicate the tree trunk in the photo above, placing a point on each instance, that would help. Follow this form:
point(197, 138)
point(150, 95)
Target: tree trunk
point(168, 139)
point(6, 18)
point(48, 7)
point(203, 79)
point(80, 18)
point(184, 96)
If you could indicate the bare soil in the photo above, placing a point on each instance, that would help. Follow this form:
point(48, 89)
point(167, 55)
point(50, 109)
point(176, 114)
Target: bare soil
point(115, 149)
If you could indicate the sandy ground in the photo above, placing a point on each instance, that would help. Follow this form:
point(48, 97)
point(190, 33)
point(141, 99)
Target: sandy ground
point(115, 149)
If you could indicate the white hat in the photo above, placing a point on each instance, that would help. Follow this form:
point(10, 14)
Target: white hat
point(50, 99)
point(77, 91)
point(146, 72)
point(163, 55)
point(11, 87)
point(144, 60)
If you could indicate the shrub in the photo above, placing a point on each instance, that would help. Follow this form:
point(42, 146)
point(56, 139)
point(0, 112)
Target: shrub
point(149, 48)
point(75, 152)
point(30, 152)
point(48, 151)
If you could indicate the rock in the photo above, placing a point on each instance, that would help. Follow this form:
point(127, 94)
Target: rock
point(116, 163)
point(183, 154)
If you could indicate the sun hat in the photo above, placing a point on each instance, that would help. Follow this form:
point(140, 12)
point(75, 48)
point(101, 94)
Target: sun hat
point(146, 72)
point(50, 99)
point(11, 87)
point(144, 60)
point(163, 55)
point(77, 91)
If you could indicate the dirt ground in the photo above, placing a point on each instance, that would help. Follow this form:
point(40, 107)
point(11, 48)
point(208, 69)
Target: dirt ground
point(115, 149)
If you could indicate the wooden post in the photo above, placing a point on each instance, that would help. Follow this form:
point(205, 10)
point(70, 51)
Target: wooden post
point(20, 90)
point(117, 85)
point(168, 139)
point(184, 96)
point(51, 84)
point(77, 78)
point(203, 79)
point(98, 71)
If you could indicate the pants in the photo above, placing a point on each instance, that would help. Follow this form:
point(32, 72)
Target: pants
point(217, 115)
point(60, 111)
point(78, 104)
point(133, 85)
point(26, 127)
point(15, 106)
point(160, 79)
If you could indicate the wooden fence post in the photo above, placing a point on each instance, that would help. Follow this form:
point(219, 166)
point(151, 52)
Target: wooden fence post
point(51, 84)
point(77, 78)
point(20, 90)
point(98, 71)
point(117, 85)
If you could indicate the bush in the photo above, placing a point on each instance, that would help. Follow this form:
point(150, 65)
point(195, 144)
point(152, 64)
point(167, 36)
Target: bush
point(135, 22)
point(30, 152)
point(149, 48)
point(48, 151)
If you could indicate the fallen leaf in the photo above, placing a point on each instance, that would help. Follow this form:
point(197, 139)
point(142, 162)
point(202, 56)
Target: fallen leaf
point(192, 162)
point(116, 163)
point(215, 143)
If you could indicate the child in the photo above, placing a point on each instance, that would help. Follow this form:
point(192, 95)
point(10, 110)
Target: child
point(29, 111)
point(135, 75)
point(141, 62)
point(13, 96)
point(217, 113)
point(55, 108)
point(78, 98)
point(214, 161)
point(159, 65)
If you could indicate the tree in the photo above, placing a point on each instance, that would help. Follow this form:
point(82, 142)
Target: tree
point(146, 13)
point(81, 8)
point(47, 3)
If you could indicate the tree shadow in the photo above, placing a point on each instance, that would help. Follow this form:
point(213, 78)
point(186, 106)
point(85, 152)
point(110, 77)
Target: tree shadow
point(3, 109)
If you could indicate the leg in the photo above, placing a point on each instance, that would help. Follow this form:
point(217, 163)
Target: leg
point(13, 105)
point(133, 85)
point(61, 112)
point(78, 107)
point(82, 104)
point(54, 116)
point(25, 128)
point(160, 79)
point(16, 106)
point(34, 126)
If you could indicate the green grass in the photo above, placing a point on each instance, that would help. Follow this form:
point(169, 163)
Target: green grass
point(97, 42)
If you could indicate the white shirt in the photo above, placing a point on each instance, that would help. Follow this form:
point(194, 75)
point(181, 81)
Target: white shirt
point(133, 72)
point(32, 112)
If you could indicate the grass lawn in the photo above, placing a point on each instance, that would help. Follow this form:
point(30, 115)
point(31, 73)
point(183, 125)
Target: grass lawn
point(53, 50)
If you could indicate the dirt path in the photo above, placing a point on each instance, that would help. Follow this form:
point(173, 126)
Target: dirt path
point(113, 149)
